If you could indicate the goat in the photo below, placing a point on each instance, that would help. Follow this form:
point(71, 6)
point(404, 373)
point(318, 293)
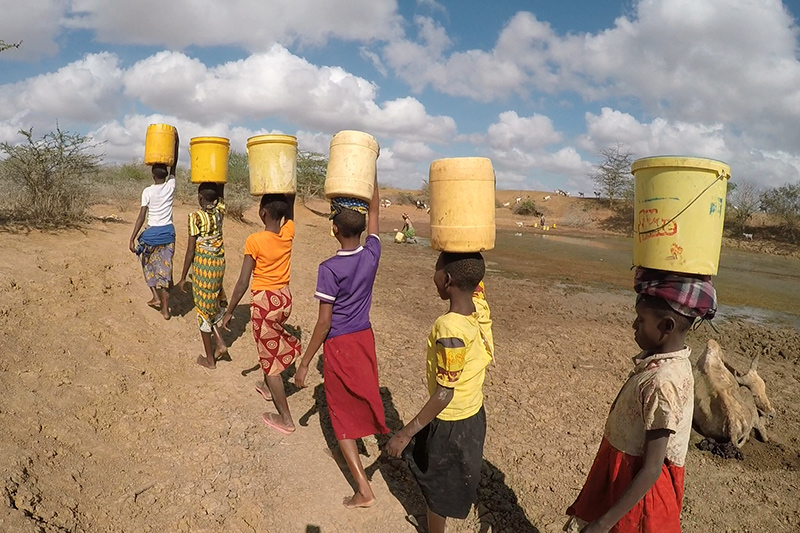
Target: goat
point(748, 236)
point(546, 198)
point(728, 405)
point(580, 194)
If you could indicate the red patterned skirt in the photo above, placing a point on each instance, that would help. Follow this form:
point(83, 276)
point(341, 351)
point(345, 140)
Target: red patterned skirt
point(350, 371)
point(611, 475)
point(277, 348)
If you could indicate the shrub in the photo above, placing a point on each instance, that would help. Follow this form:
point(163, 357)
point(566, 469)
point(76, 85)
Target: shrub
point(406, 198)
point(784, 203)
point(526, 208)
point(50, 177)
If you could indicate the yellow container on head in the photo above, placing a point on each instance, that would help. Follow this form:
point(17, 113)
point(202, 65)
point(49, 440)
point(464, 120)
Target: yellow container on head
point(273, 164)
point(352, 165)
point(679, 213)
point(462, 204)
point(209, 159)
point(159, 145)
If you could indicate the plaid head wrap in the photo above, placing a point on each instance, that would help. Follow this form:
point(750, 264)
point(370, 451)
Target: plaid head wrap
point(692, 296)
point(338, 204)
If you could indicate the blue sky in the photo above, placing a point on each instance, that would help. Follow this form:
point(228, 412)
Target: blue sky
point(538, 86)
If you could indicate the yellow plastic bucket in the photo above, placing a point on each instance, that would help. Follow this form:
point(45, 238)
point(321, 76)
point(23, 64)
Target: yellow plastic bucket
point(159, 145)
point(679, 213)
point(351, 165)
point(462, 204)
point(273, 164)
point(209, 159)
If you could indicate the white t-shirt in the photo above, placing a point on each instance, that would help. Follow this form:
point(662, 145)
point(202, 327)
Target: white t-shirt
point(158, 200)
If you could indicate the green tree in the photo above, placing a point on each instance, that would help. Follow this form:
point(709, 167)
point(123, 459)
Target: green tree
point(50, 176)
point(237, 191)
point(612, 176)
point(311, 170)
point(784, 203)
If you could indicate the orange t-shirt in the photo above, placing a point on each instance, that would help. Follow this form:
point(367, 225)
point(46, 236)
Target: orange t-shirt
point(272, 253)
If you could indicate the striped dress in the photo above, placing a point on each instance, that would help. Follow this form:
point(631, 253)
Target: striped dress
point(208, 267)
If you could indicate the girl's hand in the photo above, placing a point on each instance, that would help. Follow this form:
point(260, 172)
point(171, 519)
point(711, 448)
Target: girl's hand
point(397, 444)
point(182, 284)
point(595, 527)
point(226, 320)
point(132, 246)
point(300, 375)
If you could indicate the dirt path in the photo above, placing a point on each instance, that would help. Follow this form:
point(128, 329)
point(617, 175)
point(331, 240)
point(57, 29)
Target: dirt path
point(110, 426)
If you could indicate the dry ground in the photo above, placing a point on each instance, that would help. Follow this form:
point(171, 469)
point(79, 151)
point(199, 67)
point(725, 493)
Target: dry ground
point(109, 425)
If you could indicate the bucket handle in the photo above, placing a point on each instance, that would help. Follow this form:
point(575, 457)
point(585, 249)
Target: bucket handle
point(721, 176)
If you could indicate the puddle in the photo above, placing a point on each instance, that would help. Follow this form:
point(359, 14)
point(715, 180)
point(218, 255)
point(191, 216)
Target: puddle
point(758, 287)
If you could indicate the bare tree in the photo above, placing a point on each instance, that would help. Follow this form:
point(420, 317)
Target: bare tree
point(744, 199)
point(5, 46)
point(612, 175)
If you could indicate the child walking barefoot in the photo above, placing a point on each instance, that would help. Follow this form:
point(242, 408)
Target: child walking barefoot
point(636, 481)
point(205, 254)
point(449, 430)
point(268, 256)
point(156, 244)
point(350, 368)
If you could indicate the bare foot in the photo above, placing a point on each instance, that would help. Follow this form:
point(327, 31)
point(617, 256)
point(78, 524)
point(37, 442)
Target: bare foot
point(264, 392)
point(202, 361)
point(274, 421)
point(154, 303)
point(358, 500)
point(221, 352)
point(165, 313)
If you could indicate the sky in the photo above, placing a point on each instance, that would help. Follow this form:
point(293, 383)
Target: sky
point(540, 87)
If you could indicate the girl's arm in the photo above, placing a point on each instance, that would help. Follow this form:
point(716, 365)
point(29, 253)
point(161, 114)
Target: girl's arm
point(321, 330)
point(373, 216)
point(436, 404)
point(654, 454)
point(241, 286)
point(136, 227)
point(187, 260)
point(290, 214)
point(177, 149)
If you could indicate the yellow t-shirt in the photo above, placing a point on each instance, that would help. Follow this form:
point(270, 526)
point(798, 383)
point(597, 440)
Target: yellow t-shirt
point(272, 253)
point(459, 349)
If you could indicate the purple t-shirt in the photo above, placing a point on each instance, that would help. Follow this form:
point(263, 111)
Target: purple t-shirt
point(345, 280)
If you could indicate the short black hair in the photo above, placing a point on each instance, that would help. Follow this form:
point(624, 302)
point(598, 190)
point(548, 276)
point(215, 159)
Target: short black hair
point(208, 191)
point(277, 205)
point(663, 310)
point(466, 269)
point(350, 223)
point(160, 171)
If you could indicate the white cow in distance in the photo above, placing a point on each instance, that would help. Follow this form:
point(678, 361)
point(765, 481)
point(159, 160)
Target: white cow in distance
point(727, 405)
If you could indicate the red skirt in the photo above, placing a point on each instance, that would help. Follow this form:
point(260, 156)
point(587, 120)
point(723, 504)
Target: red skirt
point(611, 475)
point(277, 348)
point(350, 371)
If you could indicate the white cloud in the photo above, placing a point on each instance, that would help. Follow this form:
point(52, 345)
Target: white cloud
point(275, 85)
point(252, 24)
point(35, 22)
point(278, 84)
point(85, 91)
point(526, 132)
point(768, 167)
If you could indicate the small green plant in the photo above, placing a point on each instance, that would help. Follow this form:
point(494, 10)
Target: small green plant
point(526, 208)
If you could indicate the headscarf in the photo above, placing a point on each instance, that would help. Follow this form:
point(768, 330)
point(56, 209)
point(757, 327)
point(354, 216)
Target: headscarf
point(691, 296)
point(354, 204)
